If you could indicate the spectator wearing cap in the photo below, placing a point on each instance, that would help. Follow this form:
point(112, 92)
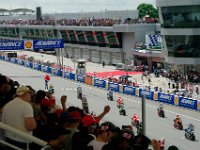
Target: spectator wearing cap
point(104, 134)
point(86, 133)
point(120, 141)
point(18, 113)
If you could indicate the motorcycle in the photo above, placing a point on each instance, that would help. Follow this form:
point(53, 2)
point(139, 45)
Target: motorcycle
point(161, 113)
point(51, 89)
point(110, 96)
point(122, 110)
point(178, 124)
point(189, 134)
point(79, 95)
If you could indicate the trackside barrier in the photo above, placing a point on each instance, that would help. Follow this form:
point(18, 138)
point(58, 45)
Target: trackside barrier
point(113, 86)
point(151, 95)
point(21, 62)
point(148, 94)
point(128, 90)
point(44, 68)
point(28, 64)
point(80, 78)
point(99, 83)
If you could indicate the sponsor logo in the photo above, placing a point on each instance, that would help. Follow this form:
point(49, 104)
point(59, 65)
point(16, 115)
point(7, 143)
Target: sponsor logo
point(27, 64)
point(67, 74)
point(168, 97)
point(146, 93)
point(36, 65)
point(155, 96)
point(47, 43)
point(187, 102)
point(114, 86)
point(128, 89)
point(80, 77)
point(137, 92)
point(99, 81)
point(176, 100)
point(44, 69)
point(198, 105)
point(19, 62)
point(28, 44)
point(11, 44)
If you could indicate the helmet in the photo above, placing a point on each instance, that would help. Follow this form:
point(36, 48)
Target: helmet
point(178, 117)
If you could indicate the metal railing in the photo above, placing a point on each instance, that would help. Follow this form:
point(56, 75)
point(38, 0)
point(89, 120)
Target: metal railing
point(26, 136)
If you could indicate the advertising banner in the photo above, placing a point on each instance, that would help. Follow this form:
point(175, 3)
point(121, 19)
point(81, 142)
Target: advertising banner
point(187, 102)
point(44, 68)
point(88, 80)
point(20, 62)
point(11, 44)
point(137, 91)
point(55, 71)
point(80, 78)
point(67, 75)
point(12, 60)
point(113, 86)
point(39, 67)
point(198, 105)
point(99, 83)
point(27, 64)
point(49, 70)
point(148, 94)
point(72, 76)
point(155, 96)
point(48, 44)
point(60, 73)
point(7, 58)
point(128, 90)
point(166, 98)
point(31, 44)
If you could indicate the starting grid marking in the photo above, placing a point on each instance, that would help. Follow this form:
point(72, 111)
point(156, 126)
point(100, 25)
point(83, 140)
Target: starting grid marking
point(102, 91)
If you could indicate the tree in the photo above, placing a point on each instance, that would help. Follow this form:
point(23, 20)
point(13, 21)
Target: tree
point(147, 9)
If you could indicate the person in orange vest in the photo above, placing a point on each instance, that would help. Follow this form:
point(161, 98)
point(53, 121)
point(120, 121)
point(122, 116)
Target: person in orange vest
point(46, 79)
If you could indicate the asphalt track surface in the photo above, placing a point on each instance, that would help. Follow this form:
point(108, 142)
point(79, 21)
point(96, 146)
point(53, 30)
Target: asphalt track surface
point(156, 127)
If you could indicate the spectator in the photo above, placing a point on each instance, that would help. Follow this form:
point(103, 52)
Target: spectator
point(104, 134)
point(18, 113)
point(85, 134)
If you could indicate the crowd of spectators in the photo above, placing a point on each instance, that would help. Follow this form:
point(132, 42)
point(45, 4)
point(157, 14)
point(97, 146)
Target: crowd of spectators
point(63, 127)
point(80, 21)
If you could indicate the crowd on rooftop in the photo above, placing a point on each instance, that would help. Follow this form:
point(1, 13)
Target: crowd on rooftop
point(80, 21)
point(63, 127)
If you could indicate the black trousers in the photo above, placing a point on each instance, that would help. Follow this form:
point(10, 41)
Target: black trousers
point(18, 144)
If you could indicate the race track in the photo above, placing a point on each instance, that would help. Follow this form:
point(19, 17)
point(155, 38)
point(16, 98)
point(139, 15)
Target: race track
point(156, 127)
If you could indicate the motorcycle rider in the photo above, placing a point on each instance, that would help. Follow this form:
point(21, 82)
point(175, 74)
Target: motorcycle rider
point(110, 95)
point(120, 105)
point(190, 128)
point(79, 92)
point(135, 120)
point(51, 88)
point(178, 122)
point(120, 102)
point(160, 108)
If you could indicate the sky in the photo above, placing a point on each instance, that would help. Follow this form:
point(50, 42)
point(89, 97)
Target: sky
point(66, 6)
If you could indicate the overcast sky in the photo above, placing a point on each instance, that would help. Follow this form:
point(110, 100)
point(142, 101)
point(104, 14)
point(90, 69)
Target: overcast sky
point(60, 6)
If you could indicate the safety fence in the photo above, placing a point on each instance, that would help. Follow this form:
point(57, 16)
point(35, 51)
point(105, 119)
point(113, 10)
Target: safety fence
point(101, 83)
